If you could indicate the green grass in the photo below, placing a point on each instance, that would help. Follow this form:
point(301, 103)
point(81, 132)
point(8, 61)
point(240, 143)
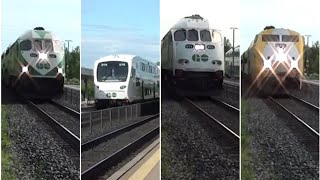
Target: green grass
point(6, 159)
point(247, 171)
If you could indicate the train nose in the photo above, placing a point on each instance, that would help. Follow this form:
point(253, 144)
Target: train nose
point(281, 56)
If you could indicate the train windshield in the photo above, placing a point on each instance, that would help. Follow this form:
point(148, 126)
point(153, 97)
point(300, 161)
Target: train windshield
point(180, 35)
point(205, 35)
point(37, 45)
point(25, 45)
point(290, 38)
point(270, 38)
point(48, 46)
point(112, 71)
point(43, 45)
point(193, 35)
point(216, 37)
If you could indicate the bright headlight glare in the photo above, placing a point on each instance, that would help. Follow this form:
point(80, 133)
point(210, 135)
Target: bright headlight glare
point(199, 47)
point(42, 56)
point(25, 69)
point(60, 70)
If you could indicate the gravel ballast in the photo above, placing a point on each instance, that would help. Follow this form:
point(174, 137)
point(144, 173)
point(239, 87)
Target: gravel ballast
point(66, 119)
point(277, 153)
point(187, 150)
point(38, 152)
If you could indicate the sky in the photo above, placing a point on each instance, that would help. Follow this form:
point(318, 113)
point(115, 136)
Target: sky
point(119, 27)
point(221, 14)
point(302, 17)
point(62, 17)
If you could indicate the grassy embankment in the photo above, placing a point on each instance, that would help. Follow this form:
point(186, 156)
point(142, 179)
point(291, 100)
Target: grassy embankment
point(6, 159)
point(247, 171)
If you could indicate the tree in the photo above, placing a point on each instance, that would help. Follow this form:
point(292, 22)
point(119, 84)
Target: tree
point(158, 63)
point(227, 45)
point(73, 62)
point(313, 56)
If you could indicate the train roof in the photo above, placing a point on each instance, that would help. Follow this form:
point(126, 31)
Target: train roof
point(123, 57)
point(191, 22)
point(273, 30)
point(37, 33)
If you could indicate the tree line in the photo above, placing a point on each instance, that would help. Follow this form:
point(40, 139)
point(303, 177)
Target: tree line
point(312, 66)
point(72, 64)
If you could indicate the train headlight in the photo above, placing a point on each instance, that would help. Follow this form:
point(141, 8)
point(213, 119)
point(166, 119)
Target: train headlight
point(114, 94)
point(122, 87)
point(281, 56)
point(199, 47)
point(59, 70)
point(25, 69)
point(42, 56)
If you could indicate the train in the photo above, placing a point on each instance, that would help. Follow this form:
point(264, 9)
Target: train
point(274, 61)
point(34, 63)
point(232, 68)
point(125, 79)
point(192, 55)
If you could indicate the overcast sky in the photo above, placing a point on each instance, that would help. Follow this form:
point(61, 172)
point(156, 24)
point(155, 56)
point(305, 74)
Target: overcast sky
point(222, 14)
point(62, 17)
point(301, 16)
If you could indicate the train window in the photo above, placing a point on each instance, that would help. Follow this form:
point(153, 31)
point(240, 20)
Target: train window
point(112, 71)
point(205, 35)
point(216, 37)
point(37, 45)
point(25, 45)
point(7, 52)
point(193, 35)
point(180, 35)
point(270, 38)
point(48, 46)
point(290, 38)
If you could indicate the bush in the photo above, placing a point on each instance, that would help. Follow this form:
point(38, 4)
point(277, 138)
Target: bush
point(73, 81)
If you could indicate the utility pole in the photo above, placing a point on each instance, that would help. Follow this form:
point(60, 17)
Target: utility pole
point(232, 68)
point(67, 60)
point(307, 58)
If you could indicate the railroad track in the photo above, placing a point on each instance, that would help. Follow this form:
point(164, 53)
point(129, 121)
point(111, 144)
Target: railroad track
point(312, 106)
point(221, 111)
point(306, 134)
point(57, 119)
point(300, 108)
point(99, 155)
point(227, 139)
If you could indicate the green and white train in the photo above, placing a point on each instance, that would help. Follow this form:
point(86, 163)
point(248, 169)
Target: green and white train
point(124, 79)
point(34, 63)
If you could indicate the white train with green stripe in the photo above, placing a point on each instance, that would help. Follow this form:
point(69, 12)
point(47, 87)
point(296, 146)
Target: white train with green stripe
point(124, 79)
point(192, 55)
point(34, 63)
